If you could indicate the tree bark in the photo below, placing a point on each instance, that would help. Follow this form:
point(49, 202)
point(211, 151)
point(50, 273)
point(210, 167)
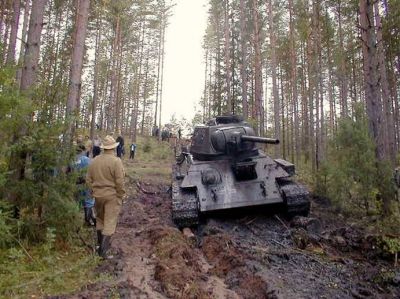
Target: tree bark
point(162, 80)
point(23, 39)
point(32, 48)
point(371, 76)
point(229, 107)
point(73, 102)
point(145, 93)
point(243, 65)
point(258, 85)
point(293, 60)
point(342, 69)
point(388, 122)
point(96, 78)
point(158, 70)
point(138, 82)
point(275, 91)
point(14, 31)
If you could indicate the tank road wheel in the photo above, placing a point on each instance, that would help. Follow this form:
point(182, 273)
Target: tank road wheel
point(296, 198)
point(185, 207)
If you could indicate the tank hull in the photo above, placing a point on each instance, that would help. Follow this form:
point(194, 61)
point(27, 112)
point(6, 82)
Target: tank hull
point(206, 186)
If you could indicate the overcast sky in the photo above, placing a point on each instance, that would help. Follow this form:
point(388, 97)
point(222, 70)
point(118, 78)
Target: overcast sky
point(184, 67)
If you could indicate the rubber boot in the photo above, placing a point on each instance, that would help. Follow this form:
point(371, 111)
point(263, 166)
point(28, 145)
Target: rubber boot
point(99, 237)
point(87, 215)
point(104, 247)
point(91, 217)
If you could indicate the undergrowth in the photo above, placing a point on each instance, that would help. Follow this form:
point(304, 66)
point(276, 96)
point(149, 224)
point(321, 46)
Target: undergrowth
point(50, 268)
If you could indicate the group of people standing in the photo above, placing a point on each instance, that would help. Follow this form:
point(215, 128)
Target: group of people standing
point(101, 184)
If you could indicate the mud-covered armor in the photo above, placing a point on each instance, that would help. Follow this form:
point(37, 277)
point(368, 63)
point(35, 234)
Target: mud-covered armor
point(225, 169)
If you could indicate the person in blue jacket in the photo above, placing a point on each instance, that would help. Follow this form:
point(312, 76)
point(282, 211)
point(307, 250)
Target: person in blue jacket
point(84, 195)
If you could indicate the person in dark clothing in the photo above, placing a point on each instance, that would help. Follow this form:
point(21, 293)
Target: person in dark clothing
point(164, 135)
point(120, 147)
point(154, 131)
point(179, 133)
point(96, 146)
point(132, 151)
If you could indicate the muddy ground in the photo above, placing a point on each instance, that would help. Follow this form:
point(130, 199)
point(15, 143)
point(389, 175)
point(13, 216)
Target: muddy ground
point(247, 255)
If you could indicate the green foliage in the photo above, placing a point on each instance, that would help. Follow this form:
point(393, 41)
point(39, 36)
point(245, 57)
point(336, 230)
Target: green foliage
point(147, 147)
point(6, 226)
point(391, 244)
point(350, 176)
point(45, 271)
point(44, 193)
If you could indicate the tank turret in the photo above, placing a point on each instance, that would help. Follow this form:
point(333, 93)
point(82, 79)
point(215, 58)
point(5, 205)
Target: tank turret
point(226, 136)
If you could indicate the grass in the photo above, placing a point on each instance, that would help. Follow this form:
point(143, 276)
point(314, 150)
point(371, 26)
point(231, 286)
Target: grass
point(152, 163)
point(44, 270)
point(56, 268)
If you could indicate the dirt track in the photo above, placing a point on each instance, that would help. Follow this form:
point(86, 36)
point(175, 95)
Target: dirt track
point(256, 255)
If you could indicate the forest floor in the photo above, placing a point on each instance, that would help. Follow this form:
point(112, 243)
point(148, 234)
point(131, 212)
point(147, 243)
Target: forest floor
point(248, 255)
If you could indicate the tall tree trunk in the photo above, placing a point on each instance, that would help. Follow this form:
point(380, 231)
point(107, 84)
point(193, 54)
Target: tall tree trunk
point(229, 108)
point(243, 65)
point(96, 78)
point(386, 96)
point(7, 22)
point(342, 69)
point(371, 75)
point(32, 47)
point(373, 97)
point(258, 85)
point(145, 93)
point(310, 97)
point(205, 100)
point(118, 95)
point(138, 82)
point(162, 80)
point(73, 102)
point(210, 86)
point(23, 39)
point(29, 74)
point(14, 31)
point(158, 70)
point(293, 60)
point(114, 75)
point(316, 73)
point(218, 76)
point(275, 91)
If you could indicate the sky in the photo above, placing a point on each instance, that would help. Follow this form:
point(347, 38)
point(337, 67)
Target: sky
point(184, 65)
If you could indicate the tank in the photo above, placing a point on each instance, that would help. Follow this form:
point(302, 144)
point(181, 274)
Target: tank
point(225, 169)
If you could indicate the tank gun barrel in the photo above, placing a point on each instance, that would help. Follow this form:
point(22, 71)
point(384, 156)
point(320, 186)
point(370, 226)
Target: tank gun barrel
point(259, 139)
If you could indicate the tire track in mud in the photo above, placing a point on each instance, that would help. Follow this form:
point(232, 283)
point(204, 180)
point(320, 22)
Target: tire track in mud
point(255, 256)
point(328, 260)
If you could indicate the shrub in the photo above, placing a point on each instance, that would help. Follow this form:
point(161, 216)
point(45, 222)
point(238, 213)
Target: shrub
point(147, 147)
point(351, 177)
point(43, 194)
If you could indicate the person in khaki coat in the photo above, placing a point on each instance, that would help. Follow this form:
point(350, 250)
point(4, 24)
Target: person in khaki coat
point(105, 177)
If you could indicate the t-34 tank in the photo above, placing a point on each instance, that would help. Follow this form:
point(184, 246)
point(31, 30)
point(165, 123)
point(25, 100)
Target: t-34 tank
point(225, 170)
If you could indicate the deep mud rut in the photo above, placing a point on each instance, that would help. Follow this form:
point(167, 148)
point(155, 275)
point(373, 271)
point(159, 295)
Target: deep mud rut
point(252, 255)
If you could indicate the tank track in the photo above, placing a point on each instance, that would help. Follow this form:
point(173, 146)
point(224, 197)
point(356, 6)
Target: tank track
point(185, 207)
point(296, 198)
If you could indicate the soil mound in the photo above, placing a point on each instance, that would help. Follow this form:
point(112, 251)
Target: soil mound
point(177, 266)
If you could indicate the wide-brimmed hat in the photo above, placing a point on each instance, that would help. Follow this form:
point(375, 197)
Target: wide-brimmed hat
point(109, 143)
